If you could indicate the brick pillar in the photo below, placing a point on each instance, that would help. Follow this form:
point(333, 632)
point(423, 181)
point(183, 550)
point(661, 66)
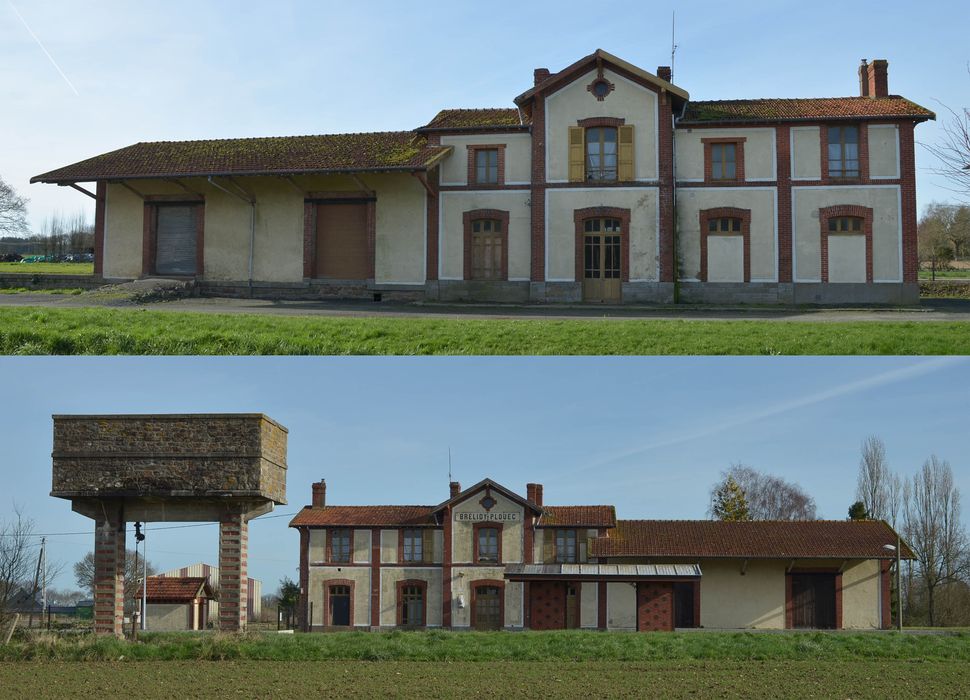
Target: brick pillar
point(233, 584)
point(109, 575)
point(784, 224)
point(668, 256)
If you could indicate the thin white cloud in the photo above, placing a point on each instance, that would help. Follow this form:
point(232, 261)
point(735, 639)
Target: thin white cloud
point(753, 415)
point(42, 47)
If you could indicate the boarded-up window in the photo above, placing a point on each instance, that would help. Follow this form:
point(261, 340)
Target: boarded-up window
point(176, 239)
point(487, 243)
point(342, 252)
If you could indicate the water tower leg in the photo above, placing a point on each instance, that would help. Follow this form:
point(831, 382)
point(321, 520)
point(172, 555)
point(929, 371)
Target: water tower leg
point(233, 584)
point(109, 576)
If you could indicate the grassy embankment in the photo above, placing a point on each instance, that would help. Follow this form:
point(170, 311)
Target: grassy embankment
point(534, 664)
point(28, 330)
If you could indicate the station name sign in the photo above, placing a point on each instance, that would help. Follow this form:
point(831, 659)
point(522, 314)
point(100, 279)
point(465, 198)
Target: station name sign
point(487, 517)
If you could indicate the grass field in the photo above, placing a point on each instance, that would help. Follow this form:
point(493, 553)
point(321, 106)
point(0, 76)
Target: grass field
point(528, 664)
point(945, 274)
point(596, 679)
point(64, 268)
point(72, 291)
point(27, 330)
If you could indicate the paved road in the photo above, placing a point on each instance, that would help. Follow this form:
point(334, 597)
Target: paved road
point(957, 310)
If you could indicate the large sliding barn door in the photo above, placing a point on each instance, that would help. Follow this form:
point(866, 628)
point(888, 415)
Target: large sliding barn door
point(176, 239)
point(813, 601)
point(341, 247)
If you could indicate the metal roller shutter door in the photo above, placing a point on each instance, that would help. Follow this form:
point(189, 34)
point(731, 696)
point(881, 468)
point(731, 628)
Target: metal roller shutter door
point(175, 247)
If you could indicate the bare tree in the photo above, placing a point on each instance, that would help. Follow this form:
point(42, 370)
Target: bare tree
point(931, 511)
point(872, 487)
point(953, 150)
point(933, 240)
point(769, 497)
point(13, 210)
point(18, 556)
point(84, 574)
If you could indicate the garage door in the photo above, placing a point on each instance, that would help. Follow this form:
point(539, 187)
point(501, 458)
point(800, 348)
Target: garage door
point(175, 239)
point(342, 251)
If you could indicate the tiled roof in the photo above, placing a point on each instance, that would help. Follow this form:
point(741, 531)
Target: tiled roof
point(778, 109)
point(174, 588)
point(756, 539)
point(364, 516)
point(587, 516)
point(471, 119)
point(282, 155)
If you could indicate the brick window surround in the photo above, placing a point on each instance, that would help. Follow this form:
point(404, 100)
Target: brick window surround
point(863, 175)
point(826, 213)
point(580, 216)
point(789, 613)
point(591, 122)
point(469, 218)
point(472, 172)
point(310, 226)
point(738, 142)
point(150, 229)
point(498, 539)
point(423, 585)
point(706, 215)
point(327, 621)
point(329, 549)
point(474, 585)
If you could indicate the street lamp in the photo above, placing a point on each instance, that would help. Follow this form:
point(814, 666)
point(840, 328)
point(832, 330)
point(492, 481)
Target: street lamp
point(899, 590)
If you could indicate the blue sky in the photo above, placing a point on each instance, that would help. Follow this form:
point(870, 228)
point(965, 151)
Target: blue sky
point(649, 435)
point(181, 70)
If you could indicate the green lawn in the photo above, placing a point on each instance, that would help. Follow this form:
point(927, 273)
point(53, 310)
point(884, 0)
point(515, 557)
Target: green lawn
point(73, 291)
point(27, 330)
point(596, 679)
point(45, 268)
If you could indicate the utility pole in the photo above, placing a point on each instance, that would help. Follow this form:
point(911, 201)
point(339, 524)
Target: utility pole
point(33, 590)
point(144, 584)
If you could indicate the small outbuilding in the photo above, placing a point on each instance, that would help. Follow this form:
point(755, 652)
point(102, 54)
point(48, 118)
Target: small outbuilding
point(177, 603)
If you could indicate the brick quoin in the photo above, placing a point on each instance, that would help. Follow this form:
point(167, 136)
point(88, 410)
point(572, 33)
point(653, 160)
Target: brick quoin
point(233, 556)
point(667, 260)
point(538, 190)
point(784, 223)
point(109, 576)
point(908, 195)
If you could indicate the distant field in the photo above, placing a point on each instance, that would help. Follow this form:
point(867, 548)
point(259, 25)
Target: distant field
point(945, 274)
point(589, 679)
point(100, 331)
point(48, 268)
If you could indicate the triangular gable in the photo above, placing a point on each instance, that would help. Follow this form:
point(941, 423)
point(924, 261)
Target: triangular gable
point(488, 483)
point(583, 65)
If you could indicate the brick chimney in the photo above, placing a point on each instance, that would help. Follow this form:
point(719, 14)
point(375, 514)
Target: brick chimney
point(534, 493)
point(663, 72)
point(874, 78)
point(540, 74)
point(320, 494)
point(455, 488)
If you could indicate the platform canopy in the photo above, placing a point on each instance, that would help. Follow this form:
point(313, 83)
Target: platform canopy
point(601, 572)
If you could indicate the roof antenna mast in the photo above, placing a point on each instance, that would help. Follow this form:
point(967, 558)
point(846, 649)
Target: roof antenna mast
point(673, 43)
point(449, 464)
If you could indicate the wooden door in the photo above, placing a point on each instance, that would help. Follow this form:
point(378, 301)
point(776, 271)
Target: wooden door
point(342, 250)
point(572, 606)
point(602, 276)
point(488, 608)
point(813, 601)
point(684, 613)
point(339, 606)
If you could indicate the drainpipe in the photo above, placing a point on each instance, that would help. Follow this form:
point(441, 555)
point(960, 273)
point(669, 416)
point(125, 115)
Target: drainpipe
point(673, 194)
point(252, 225)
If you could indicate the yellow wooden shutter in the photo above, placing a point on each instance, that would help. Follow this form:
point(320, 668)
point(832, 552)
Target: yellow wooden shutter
point(427, 546)
point(548, 546)
point(577, 154)
point(625, 154)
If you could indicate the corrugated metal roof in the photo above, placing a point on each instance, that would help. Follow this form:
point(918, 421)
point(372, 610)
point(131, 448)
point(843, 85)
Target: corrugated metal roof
point(624, 571)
